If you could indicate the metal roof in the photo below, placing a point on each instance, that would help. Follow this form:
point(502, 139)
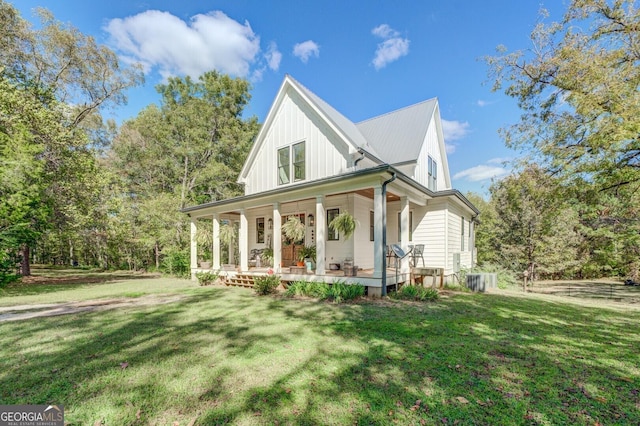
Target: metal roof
point(398, 136)
point(348, 128)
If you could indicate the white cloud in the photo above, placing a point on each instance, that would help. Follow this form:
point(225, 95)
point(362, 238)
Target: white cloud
point(481, 172)
point(212, 41)
point(454, 130)
point(306, 49)
point(384, 31)
point(391, 49)
point(273, 56)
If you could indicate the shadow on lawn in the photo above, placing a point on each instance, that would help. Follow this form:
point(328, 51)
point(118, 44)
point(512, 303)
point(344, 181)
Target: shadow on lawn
point(472, 359)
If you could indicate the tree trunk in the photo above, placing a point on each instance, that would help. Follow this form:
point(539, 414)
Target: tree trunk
point(25, 266)
point(156, 250)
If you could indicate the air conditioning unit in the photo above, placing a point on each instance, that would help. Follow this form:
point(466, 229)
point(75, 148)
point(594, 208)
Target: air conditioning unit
point(456, 262)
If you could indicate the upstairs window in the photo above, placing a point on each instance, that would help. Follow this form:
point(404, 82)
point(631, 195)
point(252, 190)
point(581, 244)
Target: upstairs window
point(283, 166)
point(291, 157)
point(432, 180)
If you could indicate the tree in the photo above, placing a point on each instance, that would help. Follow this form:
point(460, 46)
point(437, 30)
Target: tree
point(578, 89)
point(534, 227)
point(53, 83)
point(188, 150)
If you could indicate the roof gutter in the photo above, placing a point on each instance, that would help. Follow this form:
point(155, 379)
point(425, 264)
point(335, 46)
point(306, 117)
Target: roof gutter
point(384, 232)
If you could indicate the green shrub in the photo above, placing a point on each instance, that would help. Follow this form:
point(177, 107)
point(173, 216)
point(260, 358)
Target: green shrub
point(206, 278)
point(340, 291)
point(412, 292)
point(176, 262)
point(308, 288)
point(266, 284)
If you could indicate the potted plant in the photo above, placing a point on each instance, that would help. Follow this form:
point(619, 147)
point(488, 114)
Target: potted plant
point(307, 252)
point(267, 256)
point(344, 224)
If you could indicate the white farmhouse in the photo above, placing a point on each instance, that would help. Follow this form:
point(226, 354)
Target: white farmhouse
point(310, 162)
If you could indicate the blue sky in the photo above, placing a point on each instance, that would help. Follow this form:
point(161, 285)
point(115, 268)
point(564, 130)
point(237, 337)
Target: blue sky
point(365, 58)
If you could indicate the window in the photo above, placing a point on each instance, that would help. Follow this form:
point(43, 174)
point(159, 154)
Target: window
point(331, 234)
point(283, 166)
point(462, 234)
point(410, 226)
point(298, 162)
point(432, 181)
point(260, 230)
point(371, 226)
point(291, 157)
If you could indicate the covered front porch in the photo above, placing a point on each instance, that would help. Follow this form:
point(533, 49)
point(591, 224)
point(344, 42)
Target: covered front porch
point(378, 210)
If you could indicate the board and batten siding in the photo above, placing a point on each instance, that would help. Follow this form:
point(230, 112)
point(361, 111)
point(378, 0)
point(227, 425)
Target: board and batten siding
point(326, 154)
point(363, 246)
point(430, 147)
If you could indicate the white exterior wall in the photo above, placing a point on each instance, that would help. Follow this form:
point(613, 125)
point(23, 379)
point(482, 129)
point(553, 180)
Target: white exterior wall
point(363, 246)
point(326, 154)
point(455, 238)
point(338, 251)
point(429, 222)
point(431, 147)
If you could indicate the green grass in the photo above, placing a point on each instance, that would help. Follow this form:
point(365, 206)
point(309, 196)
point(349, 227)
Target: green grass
point(226, 355)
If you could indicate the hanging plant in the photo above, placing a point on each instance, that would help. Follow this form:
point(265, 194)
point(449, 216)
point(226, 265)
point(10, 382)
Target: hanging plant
point(227, 233)
point(344, 224)
point(293, 230)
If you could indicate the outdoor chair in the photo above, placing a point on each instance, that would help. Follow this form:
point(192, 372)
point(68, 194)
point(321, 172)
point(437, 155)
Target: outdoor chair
point(418, 252)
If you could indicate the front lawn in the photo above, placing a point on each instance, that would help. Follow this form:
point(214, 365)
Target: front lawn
point(225, 355)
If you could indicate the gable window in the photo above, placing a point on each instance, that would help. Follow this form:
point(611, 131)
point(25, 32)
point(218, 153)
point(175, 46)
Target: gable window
point(331, 234)
point(298, 162)
point(260, 230)
point(410, 226)
point(291, 157)
point(283, 165)
point(432, 179)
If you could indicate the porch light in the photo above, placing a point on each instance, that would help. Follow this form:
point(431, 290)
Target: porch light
point(310, 220)
point(270, 224)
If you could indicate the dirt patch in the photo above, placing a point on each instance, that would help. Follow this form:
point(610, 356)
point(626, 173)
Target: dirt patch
point(24, 312)
point(81, 278)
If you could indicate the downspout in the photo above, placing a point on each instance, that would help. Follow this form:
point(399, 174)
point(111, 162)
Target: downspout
point(384, 232)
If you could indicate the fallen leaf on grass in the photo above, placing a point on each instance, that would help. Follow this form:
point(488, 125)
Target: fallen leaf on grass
point(138, 414)
point(124, 365)
point(462, 399)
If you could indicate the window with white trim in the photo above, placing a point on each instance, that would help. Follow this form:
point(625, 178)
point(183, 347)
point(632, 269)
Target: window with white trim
point(290, 158)
point(432, 178)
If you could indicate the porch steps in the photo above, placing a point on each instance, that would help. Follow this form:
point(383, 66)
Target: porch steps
point(240, 280)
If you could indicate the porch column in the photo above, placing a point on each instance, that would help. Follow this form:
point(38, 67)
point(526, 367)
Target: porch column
point(243, 238)
point(216, 242)
point(277, 237)
point(194, 248)
point(404, 232)
point(379, 259)
point(321, 235)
